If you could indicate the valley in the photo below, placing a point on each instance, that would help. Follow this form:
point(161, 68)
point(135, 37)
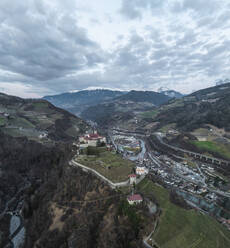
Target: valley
point(195, 188)
point(195, 191)
point(114, 124)
point(142, 173)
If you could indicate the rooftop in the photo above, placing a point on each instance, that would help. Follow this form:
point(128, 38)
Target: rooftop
point(94, 135)
point(132, 175)
point(135, 197)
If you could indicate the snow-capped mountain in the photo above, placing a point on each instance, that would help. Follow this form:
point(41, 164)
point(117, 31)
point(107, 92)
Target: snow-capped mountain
point(77, 101)
point(171, 93)
point(222, 81)
point(95, 88)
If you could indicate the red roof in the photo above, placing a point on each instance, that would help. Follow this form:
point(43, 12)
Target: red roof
point(132, 175)
point(135, 197)
point(94, 135)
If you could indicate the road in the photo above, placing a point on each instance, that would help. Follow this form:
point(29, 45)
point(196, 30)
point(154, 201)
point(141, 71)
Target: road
point(145, 240)
point(110, 183)
point(91, 200)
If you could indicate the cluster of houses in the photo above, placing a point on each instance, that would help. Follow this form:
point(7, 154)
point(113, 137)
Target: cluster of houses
point(91, 139)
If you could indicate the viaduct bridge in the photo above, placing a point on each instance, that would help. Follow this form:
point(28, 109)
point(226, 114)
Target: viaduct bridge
point(195, 155)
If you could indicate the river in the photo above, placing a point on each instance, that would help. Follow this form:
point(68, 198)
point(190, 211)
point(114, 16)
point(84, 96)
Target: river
point(140, 156)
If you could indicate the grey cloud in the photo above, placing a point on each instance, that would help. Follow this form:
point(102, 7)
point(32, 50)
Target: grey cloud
point(186, 58)
point(132, 9)
point(199, 6)
point(43, 45)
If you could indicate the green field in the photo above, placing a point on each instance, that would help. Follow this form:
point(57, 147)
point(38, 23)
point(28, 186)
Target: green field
point(42, 107)
point(211, 146)
point(173, 104)
point(180, 228)
point(21, 122)
point(149, 114)
point(109, 164)
point(2, 121)
point(12, 132)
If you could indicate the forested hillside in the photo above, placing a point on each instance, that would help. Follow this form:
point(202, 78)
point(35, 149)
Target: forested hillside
point(208, 106)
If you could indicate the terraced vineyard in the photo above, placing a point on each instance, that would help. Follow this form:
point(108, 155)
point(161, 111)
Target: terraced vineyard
point(37, 119)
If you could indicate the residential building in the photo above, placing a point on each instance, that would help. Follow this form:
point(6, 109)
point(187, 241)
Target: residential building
point(134, 199)
point(132, 179)
point(141, 170)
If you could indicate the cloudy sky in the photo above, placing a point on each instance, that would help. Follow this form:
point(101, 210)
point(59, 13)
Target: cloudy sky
point(53, 46)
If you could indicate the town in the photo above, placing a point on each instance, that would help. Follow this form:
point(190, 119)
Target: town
point(198, 183)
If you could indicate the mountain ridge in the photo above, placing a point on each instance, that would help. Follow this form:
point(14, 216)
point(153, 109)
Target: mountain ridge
point(76, 102)
point(206, 106)
point(38, 119)
point(79, 101)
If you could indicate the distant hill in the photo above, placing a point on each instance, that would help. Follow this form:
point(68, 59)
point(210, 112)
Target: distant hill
point(144, 96)
point(38, 120)
point(76, 102)
point(123, 107)
point(207, 106)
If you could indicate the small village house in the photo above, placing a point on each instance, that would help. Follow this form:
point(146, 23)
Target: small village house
point(132, 179)
point(134, 199)
point(141, 170)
